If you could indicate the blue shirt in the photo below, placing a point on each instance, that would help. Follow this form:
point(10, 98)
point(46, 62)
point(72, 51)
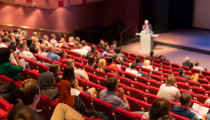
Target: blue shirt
point(113, 99)
point(52, 56)
point(184, 112)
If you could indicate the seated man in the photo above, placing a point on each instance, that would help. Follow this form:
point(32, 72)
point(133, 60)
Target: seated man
point(111, 97)
point(187, 63)
point(132, 69)
point(183, 110)
point(51, 55)
point(26, 53)
point(197, 66)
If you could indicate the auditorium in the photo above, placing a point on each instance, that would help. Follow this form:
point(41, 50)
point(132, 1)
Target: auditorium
point(104, 60)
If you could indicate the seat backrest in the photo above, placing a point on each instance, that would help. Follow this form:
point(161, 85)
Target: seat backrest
point(198, 90)
point(142, 79)
point(182, 85)
point(195, 70)
point(156, 77)
point(156, 73)
point(104, 107)
point(33, 74)
point(178, 117)
point(152, 90)
point(206, 73)
point(138, 94)
point(92, 78)
point(206, 87)
point(3, 114)
point(125, 81)
point(42, 68)
point(89, 69)
point(78, 65)
point(102, 81)
point(193, 83)
point(87, 100)
point(122, 114)
point(151, 98)
point(202, 98)
point(5, 105)
point(174, 65)
point(129, 75)
point(155, 83)
point(5, 79)
point(139, 86)
point(135, 104)
point(180, 79)
point(100, 73)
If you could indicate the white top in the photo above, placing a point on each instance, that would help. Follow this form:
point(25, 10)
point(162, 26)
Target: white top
point(74, 91)
point(26, 54)
point(168, 92)
point(81, 51)
point(199, 68)
point(148, 67)
point(132, 71)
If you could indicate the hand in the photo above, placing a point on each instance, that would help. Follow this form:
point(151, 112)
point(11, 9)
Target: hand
point(121, 91)
point(204, 117)
point(15, 54)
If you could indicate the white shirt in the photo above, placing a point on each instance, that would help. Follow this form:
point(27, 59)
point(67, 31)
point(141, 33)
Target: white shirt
point(81, 51)
point(74, 91)
point(148, 67)
point(199, 68)
point(26, 54)
point(168, 92)
point(53, 41)
point(132, 71)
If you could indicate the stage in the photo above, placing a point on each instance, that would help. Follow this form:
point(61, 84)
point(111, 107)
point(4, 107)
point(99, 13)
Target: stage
point(178, 44)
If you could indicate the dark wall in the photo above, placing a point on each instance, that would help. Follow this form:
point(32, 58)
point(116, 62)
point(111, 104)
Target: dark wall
point(165, 15)
point(181, 14)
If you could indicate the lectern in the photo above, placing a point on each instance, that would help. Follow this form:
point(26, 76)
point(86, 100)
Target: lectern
point(146, 41)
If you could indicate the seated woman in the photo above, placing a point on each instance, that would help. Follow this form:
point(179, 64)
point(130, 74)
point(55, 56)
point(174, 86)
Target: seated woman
point(68, 74)
point(91, 61)
point(102, 65)
point(8, 69)
point(147, 65)
point(71, 41)
point(71, 100)
point(62, 40)
point(168, 90)
point(42, 51)
point(47, 79)
point(78, 72)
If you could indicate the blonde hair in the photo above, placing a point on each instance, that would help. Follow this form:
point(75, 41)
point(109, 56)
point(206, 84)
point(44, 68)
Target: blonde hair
point(43, 47)
point(101, 64)
point(71, 39)
point(70, 62)
point(171, 80)
point(146, 62)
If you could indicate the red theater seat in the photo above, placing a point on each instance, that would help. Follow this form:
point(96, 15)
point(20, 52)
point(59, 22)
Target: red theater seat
point(122, 114)
point(104, 107)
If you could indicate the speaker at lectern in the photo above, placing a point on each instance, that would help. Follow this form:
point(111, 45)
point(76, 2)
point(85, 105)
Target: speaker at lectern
point(146, 40)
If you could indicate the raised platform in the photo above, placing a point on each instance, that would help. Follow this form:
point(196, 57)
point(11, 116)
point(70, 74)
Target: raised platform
point(192, 40)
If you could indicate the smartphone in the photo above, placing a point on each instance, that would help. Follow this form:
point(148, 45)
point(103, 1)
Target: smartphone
point(140, 74)
point(118, 65)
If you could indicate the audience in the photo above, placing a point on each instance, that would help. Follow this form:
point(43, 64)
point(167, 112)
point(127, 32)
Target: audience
point(111, 64)
point(30, 93)
point(111, 97)
point(53, 39)
point(102, 65)
point(147, 65)
point(91, 62)
point(132, 69)
point(51, 55)
point(68, 74)
point(80, 73)
point(25, 52)
point(138, 62)
point(42, 51)
point(168, 90)
point(8, 69)
point(194, 77)
point(187, 63)
point(71, 100)
point(71, 41)
point(47, 79)
point(159, 108)
point(197, 66)
point(114, 45)
point(183, 110)
point(120, 55)
point(92, 52)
